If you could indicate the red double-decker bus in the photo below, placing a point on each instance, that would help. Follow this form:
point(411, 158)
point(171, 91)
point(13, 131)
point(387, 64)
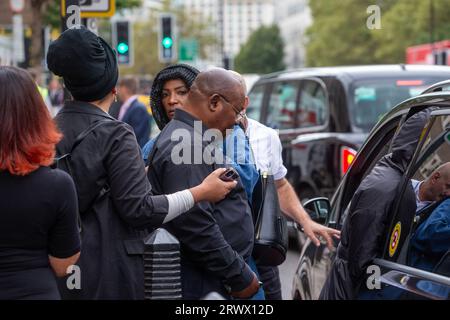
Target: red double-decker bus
point(429, 53)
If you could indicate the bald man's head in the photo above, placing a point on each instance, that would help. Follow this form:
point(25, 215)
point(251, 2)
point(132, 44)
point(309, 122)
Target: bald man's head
point(437, 186)
point(241, 79)
point(218, 80)
point(216, 97)
point(444, 170)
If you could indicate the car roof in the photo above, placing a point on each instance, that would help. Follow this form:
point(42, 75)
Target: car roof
point(359, 72)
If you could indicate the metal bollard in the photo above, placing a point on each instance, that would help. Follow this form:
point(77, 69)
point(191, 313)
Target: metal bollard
point(162, 270)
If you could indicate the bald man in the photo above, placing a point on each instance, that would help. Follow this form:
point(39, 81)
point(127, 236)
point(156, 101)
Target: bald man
point(431, 240)
point(435, 188)
point(216, 239)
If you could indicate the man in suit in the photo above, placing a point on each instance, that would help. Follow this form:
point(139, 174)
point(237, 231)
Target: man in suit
point(132, 111)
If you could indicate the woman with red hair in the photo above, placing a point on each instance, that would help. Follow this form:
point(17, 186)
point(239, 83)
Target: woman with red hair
point(39, 236)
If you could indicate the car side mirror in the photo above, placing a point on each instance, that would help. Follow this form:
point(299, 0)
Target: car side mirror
point(318, 209)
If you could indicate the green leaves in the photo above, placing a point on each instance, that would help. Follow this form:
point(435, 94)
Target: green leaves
point(339, 35)
point(262, 53)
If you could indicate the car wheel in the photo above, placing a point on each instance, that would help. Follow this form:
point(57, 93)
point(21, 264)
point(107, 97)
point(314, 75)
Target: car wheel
point(306, 289)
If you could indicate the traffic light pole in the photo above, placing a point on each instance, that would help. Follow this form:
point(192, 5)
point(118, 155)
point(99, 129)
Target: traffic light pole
point(122, 38)
point(166, 38)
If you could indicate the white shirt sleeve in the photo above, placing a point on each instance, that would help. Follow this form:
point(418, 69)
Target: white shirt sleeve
point(277, 167)
point(179, 202)
point(267, 149)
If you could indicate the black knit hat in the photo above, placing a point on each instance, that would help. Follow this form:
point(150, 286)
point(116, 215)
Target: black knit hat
point(86, 62)
point(184, 72)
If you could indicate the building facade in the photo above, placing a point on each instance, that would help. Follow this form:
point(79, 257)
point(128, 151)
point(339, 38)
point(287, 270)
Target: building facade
point(234, 21)
point(293, 18)
point(7, 51)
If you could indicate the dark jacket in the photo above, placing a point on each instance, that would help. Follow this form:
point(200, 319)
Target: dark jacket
point(431, 240)
point(114, 199)
point(216, 239)
point(115, 109)
point(370, 214)
point(139, 119)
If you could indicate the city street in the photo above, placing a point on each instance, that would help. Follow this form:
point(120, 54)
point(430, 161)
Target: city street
point(201, 122)
point(287, 270)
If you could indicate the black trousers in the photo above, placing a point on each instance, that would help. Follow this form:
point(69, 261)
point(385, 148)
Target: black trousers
point(270, 277)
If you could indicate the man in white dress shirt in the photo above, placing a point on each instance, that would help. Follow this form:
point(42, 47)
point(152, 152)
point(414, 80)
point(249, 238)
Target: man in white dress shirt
point(267, 148)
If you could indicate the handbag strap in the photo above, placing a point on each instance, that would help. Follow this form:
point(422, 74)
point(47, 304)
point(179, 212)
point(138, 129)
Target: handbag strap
point(264, 181)
point(67, 157)
point(86, 132)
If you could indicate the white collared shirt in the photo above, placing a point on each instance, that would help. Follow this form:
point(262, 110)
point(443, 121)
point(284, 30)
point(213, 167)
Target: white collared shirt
point(420, 204)
point(266, 146)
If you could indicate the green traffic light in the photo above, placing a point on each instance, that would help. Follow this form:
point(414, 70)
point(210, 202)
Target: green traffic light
point(167, 42)
point(122, 48)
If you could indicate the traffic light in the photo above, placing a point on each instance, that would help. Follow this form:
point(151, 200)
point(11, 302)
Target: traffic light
point(122, 42)
point(166, 38)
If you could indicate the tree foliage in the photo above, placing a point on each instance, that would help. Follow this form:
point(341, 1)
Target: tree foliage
point(339, 33)
point(262, 53)
point(408, 24)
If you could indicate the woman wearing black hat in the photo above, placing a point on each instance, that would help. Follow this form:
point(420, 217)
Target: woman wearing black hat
point(114, 195)
point(169, 91)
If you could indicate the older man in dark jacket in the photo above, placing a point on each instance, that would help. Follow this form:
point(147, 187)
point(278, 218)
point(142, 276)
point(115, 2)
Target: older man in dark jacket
point(371, 211)
point(216, 239)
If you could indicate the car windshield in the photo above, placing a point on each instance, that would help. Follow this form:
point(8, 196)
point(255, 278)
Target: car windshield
point(371, 99)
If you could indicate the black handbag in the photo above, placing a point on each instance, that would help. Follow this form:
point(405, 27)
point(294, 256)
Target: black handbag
point(271, 236)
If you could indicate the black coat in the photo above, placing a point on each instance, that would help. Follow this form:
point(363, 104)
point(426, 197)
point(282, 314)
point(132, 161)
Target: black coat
point(111, 264)
point(370, 214)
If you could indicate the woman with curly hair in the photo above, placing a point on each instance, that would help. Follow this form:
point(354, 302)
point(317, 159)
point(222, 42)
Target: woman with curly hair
point(169, 91)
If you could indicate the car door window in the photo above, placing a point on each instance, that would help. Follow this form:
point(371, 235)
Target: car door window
point(256, 100)
point(313, 108)
point(282, 105)
point(429, 237)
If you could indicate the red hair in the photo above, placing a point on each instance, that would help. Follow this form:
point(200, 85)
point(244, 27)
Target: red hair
point(28, 134)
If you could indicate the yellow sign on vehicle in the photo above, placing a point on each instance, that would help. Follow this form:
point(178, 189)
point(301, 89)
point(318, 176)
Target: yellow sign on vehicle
point(93, 8)
point(395, 239)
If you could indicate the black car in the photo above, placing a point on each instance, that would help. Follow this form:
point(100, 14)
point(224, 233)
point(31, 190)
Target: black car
point(433, 149)
point(324, 115)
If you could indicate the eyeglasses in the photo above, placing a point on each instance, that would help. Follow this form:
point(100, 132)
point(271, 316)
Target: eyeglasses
point(240, 114)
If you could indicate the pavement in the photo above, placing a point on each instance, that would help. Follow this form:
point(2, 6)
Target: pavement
point(287, 270)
